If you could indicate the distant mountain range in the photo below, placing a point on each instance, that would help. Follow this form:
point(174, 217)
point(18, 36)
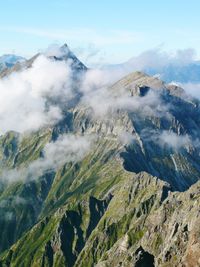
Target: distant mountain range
point(114, 181)
point(186, 72)
point(9, 60)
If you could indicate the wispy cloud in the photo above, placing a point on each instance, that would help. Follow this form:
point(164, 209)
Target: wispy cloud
point(67, 148)
point(169, 66)
point(86, 35)
point(192, 89)
point(168, 139)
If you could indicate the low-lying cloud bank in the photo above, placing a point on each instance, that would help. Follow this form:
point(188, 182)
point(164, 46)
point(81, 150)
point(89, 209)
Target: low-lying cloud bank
point(23, 101)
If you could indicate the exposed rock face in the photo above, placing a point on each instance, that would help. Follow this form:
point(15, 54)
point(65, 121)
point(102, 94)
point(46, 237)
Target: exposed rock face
point(132, 200)
point(167, 234)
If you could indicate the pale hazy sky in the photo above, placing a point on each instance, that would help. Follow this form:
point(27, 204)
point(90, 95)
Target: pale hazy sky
point(107, 31)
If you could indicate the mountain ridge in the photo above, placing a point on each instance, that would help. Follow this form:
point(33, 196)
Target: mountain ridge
point(127, 192)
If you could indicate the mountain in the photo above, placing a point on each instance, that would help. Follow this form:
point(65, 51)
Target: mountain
point(9, 60)
point(64, 53)
point(115, 182)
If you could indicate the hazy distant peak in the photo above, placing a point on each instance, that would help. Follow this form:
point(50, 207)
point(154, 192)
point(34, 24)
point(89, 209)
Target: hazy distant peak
point(64, 53)
point(9, 60)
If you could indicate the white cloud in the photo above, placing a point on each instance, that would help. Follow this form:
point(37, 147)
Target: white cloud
point(103, 100)
point(156, 62)
point(126, 138)
point(157, 58)
point(167, 138)
point(55, 50)
point(173, 140)
point(67, 148)
point(192, 89)
point(23, 95)
point(12, 201)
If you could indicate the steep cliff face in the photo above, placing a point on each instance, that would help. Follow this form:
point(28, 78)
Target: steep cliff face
point(153, 232)
point(113, 183)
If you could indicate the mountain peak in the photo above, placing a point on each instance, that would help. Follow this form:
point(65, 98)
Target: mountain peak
point(137, 80)
point(58, 51)
point(139, 83)
point(64, 53)
point(65, 46)
point(55, 52)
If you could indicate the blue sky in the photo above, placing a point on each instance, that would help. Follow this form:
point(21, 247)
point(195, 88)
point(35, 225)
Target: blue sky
point(104, 31)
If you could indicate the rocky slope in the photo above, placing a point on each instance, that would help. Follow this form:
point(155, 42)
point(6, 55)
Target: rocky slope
point(132, 199)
